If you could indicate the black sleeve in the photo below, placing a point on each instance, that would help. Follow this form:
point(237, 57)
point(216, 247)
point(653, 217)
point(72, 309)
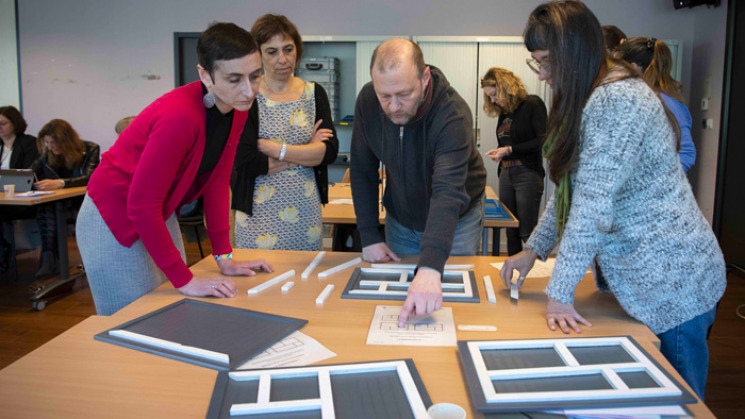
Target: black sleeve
point(535, 115)
point(323, 111)
point(249, 161)
point(90, 162)
point(29, 152)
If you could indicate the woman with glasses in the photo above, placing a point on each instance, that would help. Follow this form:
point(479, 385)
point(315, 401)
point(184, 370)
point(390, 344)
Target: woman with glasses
point(17, 151)
point(520, 131)
point(621, 197)
point(651, 58)
point(66, 161)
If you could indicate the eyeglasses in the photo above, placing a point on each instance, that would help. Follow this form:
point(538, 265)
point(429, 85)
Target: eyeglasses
point(537, 66)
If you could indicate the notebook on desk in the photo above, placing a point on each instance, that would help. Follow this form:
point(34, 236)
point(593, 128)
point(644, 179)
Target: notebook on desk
point(23, 179)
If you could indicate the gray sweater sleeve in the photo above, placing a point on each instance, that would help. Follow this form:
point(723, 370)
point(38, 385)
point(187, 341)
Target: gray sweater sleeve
point(610, 143)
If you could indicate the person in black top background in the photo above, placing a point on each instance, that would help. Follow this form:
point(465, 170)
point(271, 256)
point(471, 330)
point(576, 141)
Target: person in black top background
point(17, 151)
point(520, 132)
point(66, 161)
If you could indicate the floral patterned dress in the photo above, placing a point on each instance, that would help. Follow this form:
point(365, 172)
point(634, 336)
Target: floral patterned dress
point(286, 205)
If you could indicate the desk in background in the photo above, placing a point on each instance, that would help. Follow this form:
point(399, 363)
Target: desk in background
point(57, 197)
point(76, 376)
point(345, 220)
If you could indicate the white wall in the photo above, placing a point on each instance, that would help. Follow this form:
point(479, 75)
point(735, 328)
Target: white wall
point(710, 36)
point(9, 92)
point(92, 62)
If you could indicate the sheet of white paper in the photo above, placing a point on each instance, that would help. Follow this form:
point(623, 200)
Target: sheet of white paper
point(34, 194)
point(435, 329)
point(540, 269)
point(625, 412)
point(296, 350)
point(343, 201)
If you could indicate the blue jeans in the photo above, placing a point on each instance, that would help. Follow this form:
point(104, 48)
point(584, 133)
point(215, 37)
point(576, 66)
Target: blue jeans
point(402, 240)
point(686, 348)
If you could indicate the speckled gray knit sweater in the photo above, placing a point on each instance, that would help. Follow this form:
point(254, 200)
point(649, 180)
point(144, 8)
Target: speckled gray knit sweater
point(633, 207)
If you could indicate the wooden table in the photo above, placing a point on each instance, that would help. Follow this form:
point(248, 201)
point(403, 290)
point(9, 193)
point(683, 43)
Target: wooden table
point(57, 197)
point(343, 214)
point(76, 376)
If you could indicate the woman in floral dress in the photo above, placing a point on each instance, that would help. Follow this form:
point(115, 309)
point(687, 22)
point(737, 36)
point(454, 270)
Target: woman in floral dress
point(280, 175)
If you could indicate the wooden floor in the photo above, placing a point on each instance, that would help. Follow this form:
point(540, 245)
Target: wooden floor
point(22, 329)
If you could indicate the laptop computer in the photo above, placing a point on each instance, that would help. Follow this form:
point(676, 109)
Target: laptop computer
point(23, 179)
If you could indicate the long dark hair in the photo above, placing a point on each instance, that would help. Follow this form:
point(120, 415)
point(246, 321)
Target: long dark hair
point(656, 61)
point(578, 60)
point(67, 140)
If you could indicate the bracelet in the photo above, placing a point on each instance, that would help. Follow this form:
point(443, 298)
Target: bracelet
point(282, 152)
point(225, 256)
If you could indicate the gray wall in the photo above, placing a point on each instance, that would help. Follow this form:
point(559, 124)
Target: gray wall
point(92, 62)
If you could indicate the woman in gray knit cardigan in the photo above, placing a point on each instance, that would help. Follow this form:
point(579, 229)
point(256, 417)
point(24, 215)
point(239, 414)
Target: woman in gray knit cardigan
point(621, 195)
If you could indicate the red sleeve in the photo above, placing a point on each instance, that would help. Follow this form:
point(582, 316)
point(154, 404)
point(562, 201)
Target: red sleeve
point(161, 164)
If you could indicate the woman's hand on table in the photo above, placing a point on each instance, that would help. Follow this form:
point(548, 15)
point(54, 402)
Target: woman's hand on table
point(565, 316)
point(234, 267)
point(522, 262)
point(49, 184)
point(219, 287)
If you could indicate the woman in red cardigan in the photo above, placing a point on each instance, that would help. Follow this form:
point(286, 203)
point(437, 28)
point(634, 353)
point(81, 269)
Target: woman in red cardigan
point(177, 149)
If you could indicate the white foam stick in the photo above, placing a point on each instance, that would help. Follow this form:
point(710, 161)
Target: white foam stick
point(174, 346)
point(274, 281)
point(324, 294)
point(313, 264)
point(338, 268)
point(412, 267)
point(286, 287)
point(489, 290)
point(477, 328)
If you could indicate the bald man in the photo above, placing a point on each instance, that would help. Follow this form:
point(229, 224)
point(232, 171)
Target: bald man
point(415, 123)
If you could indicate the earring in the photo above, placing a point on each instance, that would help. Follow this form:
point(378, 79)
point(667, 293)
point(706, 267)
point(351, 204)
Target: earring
point(208, 100)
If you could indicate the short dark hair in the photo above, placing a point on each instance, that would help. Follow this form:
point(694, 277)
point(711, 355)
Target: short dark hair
point(270, 25)
point(612, 37)
point(223, 41)
point(389, 58)
point(15, 117)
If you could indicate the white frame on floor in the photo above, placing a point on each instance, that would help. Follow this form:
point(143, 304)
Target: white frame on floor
point(404, 282)
point(609, 371)
point(325, 403)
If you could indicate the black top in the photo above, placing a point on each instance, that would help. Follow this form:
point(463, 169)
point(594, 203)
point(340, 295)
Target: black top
point(78, 176)
point(217, 132)
point(250, 162)
point(524, 130)
point(24, 151)
point(434, 171)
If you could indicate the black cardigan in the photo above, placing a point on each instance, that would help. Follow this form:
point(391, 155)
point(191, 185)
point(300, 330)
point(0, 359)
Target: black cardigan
point(527, 132)
point(24, 151)
point(250, 162)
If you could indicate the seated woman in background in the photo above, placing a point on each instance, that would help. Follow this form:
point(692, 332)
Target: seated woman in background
point(177, 149)
point(621, 196)
point(520, 131)
point(66, 161)
point(652, 59)
point(280, 176)
point(17, 151)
